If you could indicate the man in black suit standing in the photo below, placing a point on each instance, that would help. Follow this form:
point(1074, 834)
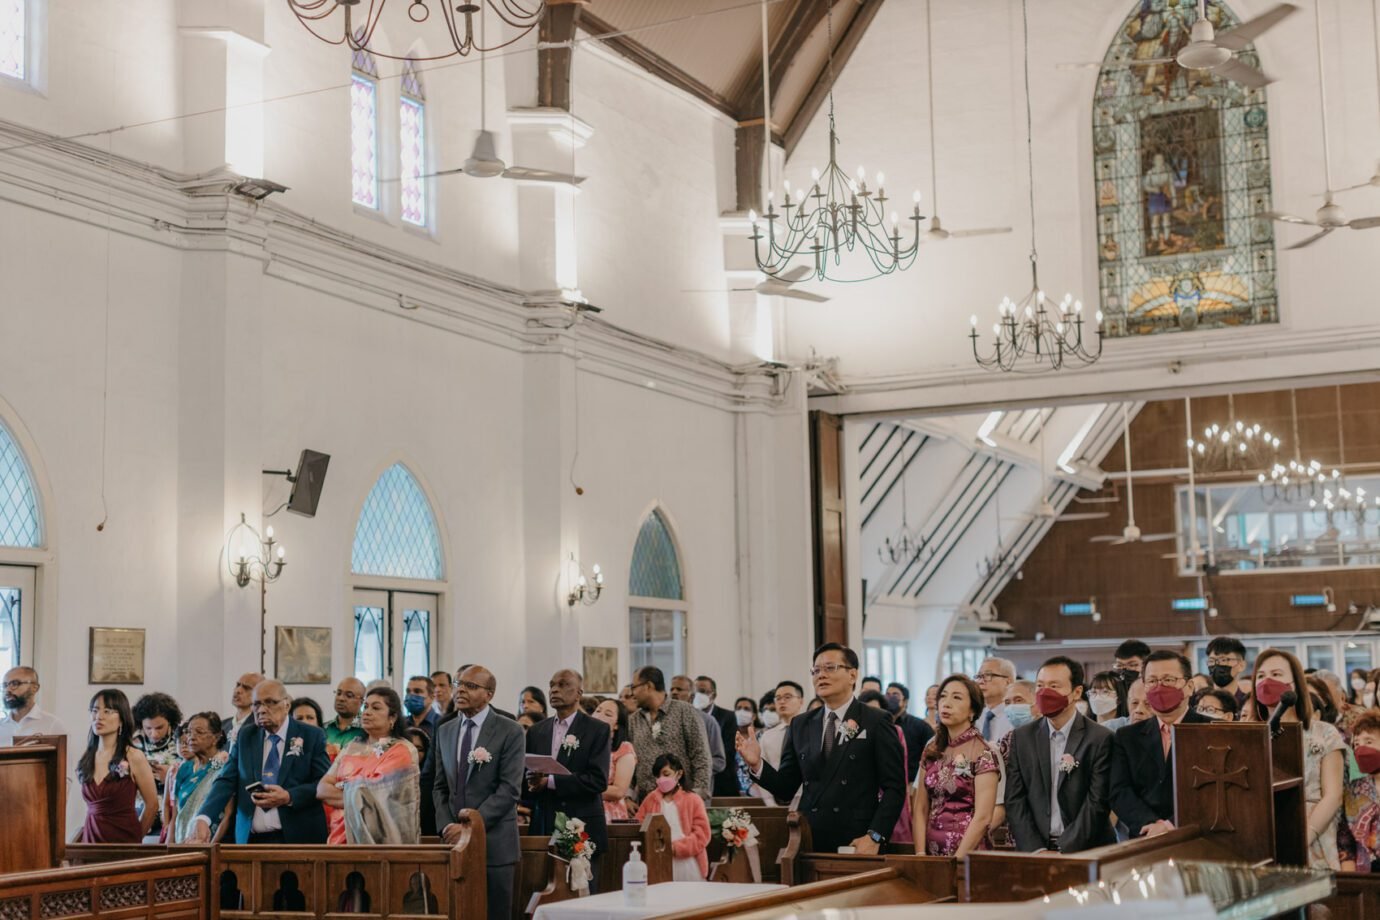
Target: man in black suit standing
point(706, 700)
point(283, 760)
point(1058, 769)
point(847, 756)
point(917, 731)
point(480, 758)
point(581, 745)
point(1142, 768)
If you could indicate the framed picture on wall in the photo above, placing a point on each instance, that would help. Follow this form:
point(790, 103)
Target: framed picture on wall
point(601, 669)
point(116, 656)
point(302, 654)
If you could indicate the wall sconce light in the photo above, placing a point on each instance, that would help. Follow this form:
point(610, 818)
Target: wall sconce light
point(586, 591)
point(251, 557)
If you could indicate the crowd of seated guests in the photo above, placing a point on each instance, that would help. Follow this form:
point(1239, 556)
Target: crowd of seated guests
point(1062, 762)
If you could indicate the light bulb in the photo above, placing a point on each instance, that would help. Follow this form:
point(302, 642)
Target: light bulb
point(972, 320)
point(996, 329)
point(770, 193)
point(596, 569)
point(1078, 308)
point(1040, 296)
point(752, 215)
point(1029, 313)
point(1099, 317)
point(788, 186)
point(895, 219)
point(880, 180)
point(862, 175)
point(1059, 328)
point(915, 196)
point(814, 173)
point(282, 552)
point(269, 532)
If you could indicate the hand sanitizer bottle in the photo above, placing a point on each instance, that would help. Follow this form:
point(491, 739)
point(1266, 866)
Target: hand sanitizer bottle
point(635, 879)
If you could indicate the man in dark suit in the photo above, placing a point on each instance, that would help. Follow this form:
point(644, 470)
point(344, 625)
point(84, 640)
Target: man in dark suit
point(847, 756)
point(480, 765)
point(707, 691)
point(288, 759)
point(1058, 769)
point(918, 732)
point(581, 745)
point(1142, 765)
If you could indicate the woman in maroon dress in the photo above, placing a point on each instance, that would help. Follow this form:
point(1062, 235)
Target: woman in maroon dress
point(112, 772)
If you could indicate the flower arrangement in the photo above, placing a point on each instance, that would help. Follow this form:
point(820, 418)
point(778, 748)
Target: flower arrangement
point(961, 766)
point(295, 747)
point(479, 756)
point(1068, 763)
point(120, 769)
point(734, 826)
point(570, 744)
point(850, 730)
point(572, 844)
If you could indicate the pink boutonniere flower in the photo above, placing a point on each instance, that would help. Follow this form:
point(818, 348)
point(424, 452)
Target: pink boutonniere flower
point(120, 769)
point(571, 743)
point(1067, 764)
point(850, 730)
point(480, 756)
point(295, 747)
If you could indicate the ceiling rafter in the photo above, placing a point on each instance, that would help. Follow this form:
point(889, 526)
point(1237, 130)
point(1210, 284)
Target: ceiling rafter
point(653, 63)
point(844, 47)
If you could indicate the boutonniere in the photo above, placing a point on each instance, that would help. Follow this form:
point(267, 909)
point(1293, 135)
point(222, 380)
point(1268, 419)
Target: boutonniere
point(295, 747)
point(1314, 747)
point(480, 756)
point(961, 766)
point(381, 746)
point(1068, 763)
point(120, 769)
point(571, 743)
point(656, 729)
point(850, 730)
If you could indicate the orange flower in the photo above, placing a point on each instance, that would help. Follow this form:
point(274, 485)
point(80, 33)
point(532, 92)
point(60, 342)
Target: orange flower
point(579, 847)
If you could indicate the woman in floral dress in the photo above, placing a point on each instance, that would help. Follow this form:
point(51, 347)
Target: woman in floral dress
point(374, 783)
point(956, 790)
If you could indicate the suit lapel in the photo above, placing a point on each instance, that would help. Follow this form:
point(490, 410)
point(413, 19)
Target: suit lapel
point(485, 735)
point(839, 755)
point(1071, 746)
point(255, 753)
point(1042, 754)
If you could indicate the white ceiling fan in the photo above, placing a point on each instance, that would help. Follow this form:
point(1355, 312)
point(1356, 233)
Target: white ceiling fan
point(1330, 216)
point(1045, 510)
point(783, 286)
point(1131, 533)
point(936, 233)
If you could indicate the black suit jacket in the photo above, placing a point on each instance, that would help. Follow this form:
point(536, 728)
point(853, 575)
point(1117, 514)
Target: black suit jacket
point(918, 734)
point(302, 764)
point(726, 780)
point(860, 788)
point(580, 795)
point(1142, 777)
point(1083, 791)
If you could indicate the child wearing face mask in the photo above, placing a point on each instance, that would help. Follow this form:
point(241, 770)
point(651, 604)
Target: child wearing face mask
point(684, 812)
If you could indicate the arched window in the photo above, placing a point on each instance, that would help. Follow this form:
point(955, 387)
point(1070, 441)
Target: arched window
point(1181, 169)
point(21, 527)
point(399, 556)
point(412, 146)
point(657, 608)
point(364, 129)
point(15, 28)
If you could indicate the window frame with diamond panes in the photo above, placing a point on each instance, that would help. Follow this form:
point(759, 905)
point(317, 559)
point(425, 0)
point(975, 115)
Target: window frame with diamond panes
point(364, 132)
point(21, 536)
point(397, 563)
point(658, 608)
point(413, 205)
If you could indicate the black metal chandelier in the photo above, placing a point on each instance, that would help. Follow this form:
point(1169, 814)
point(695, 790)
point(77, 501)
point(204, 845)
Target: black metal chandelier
point(354, 22)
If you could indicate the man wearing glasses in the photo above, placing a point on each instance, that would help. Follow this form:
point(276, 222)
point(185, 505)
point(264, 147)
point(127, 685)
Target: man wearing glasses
point(1142, 769)
point(1226, 659)
point(995, 675)
point(272, 777)
point(345, 727)
point(21, 716)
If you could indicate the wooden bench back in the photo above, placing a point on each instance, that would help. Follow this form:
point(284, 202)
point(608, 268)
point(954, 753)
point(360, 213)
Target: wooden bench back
point(167, 887)
point(772, 832)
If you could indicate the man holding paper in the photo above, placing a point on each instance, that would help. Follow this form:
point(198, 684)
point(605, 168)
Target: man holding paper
point(568, 763)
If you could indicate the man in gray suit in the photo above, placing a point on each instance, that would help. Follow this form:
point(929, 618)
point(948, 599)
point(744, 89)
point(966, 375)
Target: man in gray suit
point(1058, 772)
point(482, 761)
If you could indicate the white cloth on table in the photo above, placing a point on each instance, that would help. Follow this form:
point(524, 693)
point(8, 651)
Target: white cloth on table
point(685, 869)
point(665, 898)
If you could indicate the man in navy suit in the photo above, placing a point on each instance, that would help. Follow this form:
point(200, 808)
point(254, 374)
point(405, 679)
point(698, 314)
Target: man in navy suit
point(846, 754)
point(288, 759)
point(581, 745)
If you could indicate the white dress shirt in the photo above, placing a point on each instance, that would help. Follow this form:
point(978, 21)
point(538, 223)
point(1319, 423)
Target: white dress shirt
point(265, 821)
point(478, 720)
point(993, 723)
point(558, 736)
point(842, 713)
point(35, 722)
point(1058, 740)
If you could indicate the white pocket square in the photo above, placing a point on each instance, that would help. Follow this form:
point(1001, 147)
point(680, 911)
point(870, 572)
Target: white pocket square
point(862, 735)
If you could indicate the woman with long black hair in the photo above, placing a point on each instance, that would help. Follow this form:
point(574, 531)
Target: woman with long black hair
point(112, 773)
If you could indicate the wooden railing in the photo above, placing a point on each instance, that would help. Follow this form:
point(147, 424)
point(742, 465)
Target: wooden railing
point(166, 887)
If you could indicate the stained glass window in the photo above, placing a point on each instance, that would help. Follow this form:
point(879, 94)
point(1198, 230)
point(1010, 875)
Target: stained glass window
point(416, 643)
point(397, 535)
point(1182, 183)
point(13, 38)
point(412, 159)
point(655, 566)
point(364, 130)
point(19, 521)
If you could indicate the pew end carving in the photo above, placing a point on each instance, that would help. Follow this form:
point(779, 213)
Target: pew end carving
point(33, 786)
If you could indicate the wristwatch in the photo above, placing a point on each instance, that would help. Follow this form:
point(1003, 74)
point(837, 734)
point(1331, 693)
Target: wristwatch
point(876, 838)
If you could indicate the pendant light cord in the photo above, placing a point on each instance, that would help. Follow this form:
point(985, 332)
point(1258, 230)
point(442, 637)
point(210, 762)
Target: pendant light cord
point(766, 108)
point(929, 83)
point(1322, 93)
point(1029, 140)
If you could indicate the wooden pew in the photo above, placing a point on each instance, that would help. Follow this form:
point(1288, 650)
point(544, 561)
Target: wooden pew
point(33, 786)
point(936, 875)
point(168, 887)
point(735, 801)
point(1357, 897)
point(771, 840)
point(655, 837)
point(885, 886)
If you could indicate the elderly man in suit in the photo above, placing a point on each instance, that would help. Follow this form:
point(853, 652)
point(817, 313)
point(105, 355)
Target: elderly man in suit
point(272, 775)
point(481, 765)
point(581, 745)
point(846, 754)
point(1058, 771)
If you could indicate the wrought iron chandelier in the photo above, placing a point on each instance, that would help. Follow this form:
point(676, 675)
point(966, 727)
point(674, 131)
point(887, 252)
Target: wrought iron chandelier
point(1235, 447)
point(1297, 481)
point(836, 215)
point(353, 23)
point(908, 545)
point(1027, 337)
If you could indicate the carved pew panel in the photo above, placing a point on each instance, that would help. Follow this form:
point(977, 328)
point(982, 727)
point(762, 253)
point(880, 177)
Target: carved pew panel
point(163, 888)
point(771, 840)
point(33, 786)
point(1357, 897)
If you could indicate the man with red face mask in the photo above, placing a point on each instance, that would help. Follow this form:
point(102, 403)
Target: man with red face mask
point(1058, 770)
point(1142, 768)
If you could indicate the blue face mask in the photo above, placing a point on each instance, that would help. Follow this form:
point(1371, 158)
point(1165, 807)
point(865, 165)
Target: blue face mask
point(1018, 714)
point(414, 704)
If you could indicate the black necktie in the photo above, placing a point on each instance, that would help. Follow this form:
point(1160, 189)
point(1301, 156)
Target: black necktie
point(466, 739)
point(831, 734)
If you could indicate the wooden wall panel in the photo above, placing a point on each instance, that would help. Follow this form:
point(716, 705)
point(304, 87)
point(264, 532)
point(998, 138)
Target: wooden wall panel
point(827, 514)
point(1134, 584)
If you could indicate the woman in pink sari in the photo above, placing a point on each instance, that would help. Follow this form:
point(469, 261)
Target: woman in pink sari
point(374, 783)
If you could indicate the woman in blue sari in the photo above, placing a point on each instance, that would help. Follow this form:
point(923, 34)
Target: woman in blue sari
point(195, 776)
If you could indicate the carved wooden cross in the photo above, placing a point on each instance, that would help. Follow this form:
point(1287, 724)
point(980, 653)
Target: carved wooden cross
point(1221, 779)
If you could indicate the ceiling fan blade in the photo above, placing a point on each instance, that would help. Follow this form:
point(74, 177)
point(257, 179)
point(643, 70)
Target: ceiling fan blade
point(1084, 516)
point(986, 231)
point(1112, 538)
point(1364, 223)
point(1156, 537)
point(430, 175)
point(1239, 72)
point(541, 175)
point(1118, 65)
point(1312, 239)
point(1241, 36)
point(792, 275)
point(1288, 218)
point(804, 295)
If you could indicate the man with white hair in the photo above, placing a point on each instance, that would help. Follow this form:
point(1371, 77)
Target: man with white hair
point(993, 677)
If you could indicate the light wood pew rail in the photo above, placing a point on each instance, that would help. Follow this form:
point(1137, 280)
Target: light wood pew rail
point(653, 833)
point(165, 887)
point(885, 886)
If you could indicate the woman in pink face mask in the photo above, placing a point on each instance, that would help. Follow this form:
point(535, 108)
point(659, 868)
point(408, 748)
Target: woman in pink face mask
point(1361, 800)
point(1278, 672)
point(684, 811)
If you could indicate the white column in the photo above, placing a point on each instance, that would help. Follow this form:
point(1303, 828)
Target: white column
point(223, 75)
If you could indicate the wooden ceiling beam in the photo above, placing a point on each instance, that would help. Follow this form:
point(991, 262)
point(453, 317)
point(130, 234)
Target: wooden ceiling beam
point(652, 62)
point(557, 29)
point(843, 50)
point(804, 17)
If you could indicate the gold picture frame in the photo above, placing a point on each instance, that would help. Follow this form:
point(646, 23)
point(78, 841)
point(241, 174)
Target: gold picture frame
point(302, 654)
point(601, 669)
point(115, 656)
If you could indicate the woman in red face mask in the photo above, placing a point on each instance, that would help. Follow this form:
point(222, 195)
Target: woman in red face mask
point(1360, 850)
point(1276, 673)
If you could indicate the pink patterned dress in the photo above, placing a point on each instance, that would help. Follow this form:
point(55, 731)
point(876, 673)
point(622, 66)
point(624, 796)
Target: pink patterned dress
point(949, 782)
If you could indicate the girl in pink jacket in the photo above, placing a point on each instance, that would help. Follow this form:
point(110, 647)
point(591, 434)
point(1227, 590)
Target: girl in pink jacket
point(684, 811)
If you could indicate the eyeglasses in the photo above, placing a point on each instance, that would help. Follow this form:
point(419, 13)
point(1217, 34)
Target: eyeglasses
point(785, 698)
point(16, 684)
point(1170, 682)
point(830, 669)
point(473, 687)
point(984, 676)
point(264, 704)
point(1224, 659)
point(1215, 713)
